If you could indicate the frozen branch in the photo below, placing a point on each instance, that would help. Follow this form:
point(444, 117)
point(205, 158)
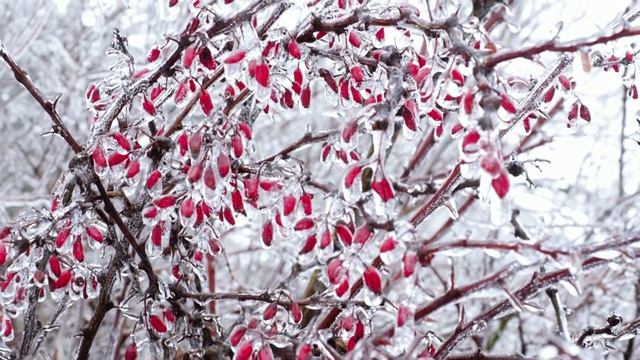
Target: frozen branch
point(554, 46)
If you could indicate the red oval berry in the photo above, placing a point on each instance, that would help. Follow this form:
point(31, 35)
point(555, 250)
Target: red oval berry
point(262, 74)
point(548, 96)
point(235, 57)
point(153, 179)
point(54, 265)
point(165, 201)
point(305, 97)
point(117, 158)
point(236, 144)
point(78, 250)
point(372, 279)
point(157, 324)
point(237, 334)
point(289, 204)
point(309, 244)
point(409, 261)
point(304, 224)
point(344, 233)
point(153, 55)
point(267, 233)
point(3, 253)
point(94, 233)
point(224, 164)
point(354, 39)
point(270, 311)
point(189, 55)
point(209, 178)
point(507, 104)
point(501, 185)
point(133, 169)
point(294, 49)
point(565, 82)
point(98, 157)
point(357, 74)
point(63, 280)
point(237, 202)
point(383, 188)
point(131, 353)
point(149, 107)
point(206, 59)
point(585, 114)
point(187, 208)
point(362, 234)
point(205, 102)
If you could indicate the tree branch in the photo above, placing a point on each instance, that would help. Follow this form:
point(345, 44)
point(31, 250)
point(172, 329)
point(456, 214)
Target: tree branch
point(553, 46)
point(48, 105)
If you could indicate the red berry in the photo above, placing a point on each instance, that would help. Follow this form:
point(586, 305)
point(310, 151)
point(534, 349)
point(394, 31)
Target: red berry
point(157, 324)
point(372, 279)
point(235, 57)
point(294, 49)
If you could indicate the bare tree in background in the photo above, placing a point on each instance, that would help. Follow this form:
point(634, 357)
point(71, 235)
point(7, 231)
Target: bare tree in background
point(323, 179)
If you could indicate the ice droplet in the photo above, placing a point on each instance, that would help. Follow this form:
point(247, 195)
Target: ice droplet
point(627, 336)
point(517, 305)
point(572, 287)
point(493, 253)
point(152, 250)
point(478, 325)
point(452, 209)
point(500, 209)
point(455, 252)
point(521, 259)
point(394, 255)
point(372, 299)
point(607, 254)
point(408, 134)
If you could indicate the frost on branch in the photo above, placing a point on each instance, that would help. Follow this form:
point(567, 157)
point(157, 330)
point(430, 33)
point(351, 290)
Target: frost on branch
point(277, 179)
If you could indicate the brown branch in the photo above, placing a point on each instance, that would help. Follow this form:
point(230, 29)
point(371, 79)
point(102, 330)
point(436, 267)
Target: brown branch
point(470, 199)
point(628, 329)
point(455, 294)
point(397, 16)
point(553, 46)
point(479, 244)
point(48, 105)
point(103, 307)
point(479, 355)
point(32, 326)
point(305, 140)
point(421, 152)
point(145, 264)
point(267, 298)
point(533, 287)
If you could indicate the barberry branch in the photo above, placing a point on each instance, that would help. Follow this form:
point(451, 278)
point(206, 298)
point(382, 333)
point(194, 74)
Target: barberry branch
point(535, 285)
point(456, 293)
point(553, 46)
point(49, 106)
point(267, 297)
point(105, 304)
point(479, 355)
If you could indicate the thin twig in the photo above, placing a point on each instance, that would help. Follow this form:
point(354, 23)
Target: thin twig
point(48, 105)
point(553, 46)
